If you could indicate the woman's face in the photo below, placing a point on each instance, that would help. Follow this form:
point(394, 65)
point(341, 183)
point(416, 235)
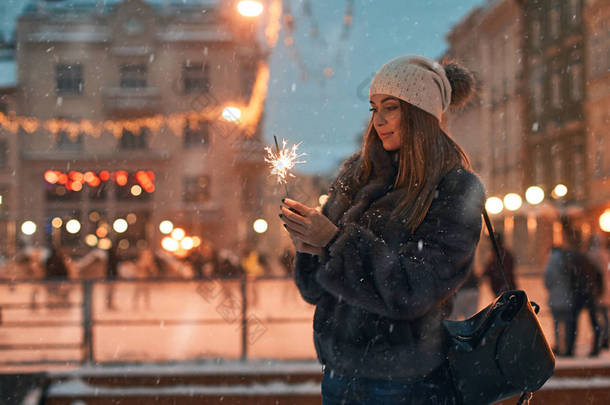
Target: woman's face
point(387, 120)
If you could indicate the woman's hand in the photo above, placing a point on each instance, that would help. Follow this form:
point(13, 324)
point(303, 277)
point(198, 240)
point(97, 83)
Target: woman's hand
point(307, 224)
point(303, 247)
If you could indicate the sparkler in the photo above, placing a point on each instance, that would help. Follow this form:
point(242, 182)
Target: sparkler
point(283, 160)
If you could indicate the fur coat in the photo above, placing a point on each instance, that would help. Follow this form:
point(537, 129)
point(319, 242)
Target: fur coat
point(382, 291)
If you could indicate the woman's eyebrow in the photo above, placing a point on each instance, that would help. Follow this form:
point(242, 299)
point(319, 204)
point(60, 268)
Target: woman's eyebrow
point(384, 100)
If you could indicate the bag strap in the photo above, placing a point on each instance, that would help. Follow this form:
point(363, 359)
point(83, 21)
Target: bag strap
point(525, 396)
point(495, 245)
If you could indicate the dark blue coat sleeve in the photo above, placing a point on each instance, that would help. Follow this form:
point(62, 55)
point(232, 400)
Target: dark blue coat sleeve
point(427, 266)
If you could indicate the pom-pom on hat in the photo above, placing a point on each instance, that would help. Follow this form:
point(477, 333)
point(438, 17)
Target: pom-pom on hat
point(422, 82)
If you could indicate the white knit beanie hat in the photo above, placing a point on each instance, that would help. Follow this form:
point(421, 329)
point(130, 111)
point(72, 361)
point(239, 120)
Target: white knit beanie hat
point(417, 80)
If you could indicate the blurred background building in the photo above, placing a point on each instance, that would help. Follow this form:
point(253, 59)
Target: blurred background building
point(137, 111)
point(540, 117)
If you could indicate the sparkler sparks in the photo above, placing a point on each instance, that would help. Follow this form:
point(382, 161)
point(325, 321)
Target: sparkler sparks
point(282, 161)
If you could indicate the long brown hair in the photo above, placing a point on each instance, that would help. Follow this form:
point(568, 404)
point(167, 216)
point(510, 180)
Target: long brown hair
point(425, 155)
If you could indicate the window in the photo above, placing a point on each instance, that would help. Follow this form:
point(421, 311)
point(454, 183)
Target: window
point(133, 76)
point(197, 136)
point(538, 166)
point(196, 77)
point(576, 82)
point(574, 12)
point(4, 201)
point(134, 186)
point(196, 189)
point(579, 172)
point(537, 87)
point(69, 142)
point(69, 78)
point(556, 90)
point(557, 162)
point(130, 140)
point(554, 20)
point(3, 153)
point(536, 34)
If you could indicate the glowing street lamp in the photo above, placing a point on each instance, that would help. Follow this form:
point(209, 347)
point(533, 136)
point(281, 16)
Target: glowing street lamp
point(231, 114)
point(260, 226)
point(534, 195)
point(494, 205)
point(169, 244)
point(250, 8)
point(120, 225)
point(166, 227)
point(73, 226)
point(512, 201)
point(178, 234)
point(559, 191)
point(28, 228)
point(604, 221)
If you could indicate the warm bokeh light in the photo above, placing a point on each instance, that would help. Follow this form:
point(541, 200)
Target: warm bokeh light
point(104, 243)
point(123, 244)
point(249, 8)
point(166, 227)
point(260, 226)
point(101, 231)
point(196, 241)
point(231, 114)
point(51, 176)
point(136, 190)
point(120, 225)
point(73, 226)
point(94, 216)
point(604, 221)
point(56, 222)
point(187, 243)
point(169, 244)
point(91, 240)
point(322, 199)
point(131, 218)
point(28, 227)
point(178, 234)
point(560, 190)
point(534, 195)
point(76, 186)
point(512, 201)
point(494, 205)
point(121, 177)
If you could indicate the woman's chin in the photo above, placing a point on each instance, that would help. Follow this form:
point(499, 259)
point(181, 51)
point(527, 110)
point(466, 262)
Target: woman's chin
point(389, 147)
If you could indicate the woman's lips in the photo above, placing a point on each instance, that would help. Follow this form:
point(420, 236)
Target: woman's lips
point(386, 134)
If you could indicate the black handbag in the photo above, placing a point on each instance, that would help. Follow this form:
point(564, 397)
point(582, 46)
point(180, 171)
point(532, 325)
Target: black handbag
point(501, 351)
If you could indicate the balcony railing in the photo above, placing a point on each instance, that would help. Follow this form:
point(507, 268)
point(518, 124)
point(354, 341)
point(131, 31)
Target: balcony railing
point(117, 99)
point(46, 323)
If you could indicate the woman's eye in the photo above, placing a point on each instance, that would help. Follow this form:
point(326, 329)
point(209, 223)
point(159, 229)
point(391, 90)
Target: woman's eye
point(392, 108)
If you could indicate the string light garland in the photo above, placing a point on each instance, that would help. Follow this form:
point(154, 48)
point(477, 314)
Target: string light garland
point(176, 122)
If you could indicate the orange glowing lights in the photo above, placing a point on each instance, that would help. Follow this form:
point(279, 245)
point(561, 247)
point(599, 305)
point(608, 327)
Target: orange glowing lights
point(121, 177)
point(75, 180)
point(51, 176)
point(76, 186)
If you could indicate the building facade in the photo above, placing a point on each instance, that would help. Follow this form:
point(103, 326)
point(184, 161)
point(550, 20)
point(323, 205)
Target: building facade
point(597, 108)
point(126, 103)
point(542, 114)
point(491, 128)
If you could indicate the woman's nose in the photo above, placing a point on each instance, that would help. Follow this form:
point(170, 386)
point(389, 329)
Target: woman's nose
point(379, 119)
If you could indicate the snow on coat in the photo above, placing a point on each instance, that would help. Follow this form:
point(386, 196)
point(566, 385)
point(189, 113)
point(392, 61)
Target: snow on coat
point(381, 294)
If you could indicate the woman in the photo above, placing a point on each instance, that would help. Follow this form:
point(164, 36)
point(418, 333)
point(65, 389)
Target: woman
point(393, 243)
